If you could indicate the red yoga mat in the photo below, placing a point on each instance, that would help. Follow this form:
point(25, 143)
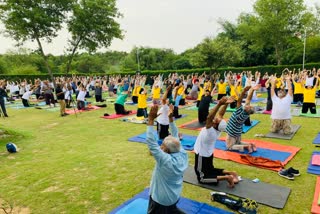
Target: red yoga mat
point(72, 111)
point(114, 116)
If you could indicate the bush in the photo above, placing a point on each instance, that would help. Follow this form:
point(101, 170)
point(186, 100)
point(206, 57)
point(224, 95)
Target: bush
point(271, 69)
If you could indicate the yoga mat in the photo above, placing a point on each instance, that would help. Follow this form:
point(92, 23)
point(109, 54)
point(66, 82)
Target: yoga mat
point(139, 204)
point(261, 152)
point(137, 120)
point(317, 139)
point(315, 160)
point(195, 125)
point(72, 111)
point(196, 108)
point(264, 193)
point(314, 169)
point(187, 141)
point(267, 112)
point(269, 150)
point(245, 129)
point(311, 115)
point(315, 209)
point(114, 116)
point(280, 135)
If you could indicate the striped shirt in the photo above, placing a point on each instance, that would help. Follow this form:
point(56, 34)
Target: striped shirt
point(234, 126)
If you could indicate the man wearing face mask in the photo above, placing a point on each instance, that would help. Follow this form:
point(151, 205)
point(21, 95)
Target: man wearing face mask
point(205, 144)
point(281, 110)
point(171, 162)
point(236, 121)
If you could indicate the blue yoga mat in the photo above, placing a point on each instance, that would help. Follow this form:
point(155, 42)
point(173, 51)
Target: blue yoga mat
point(314, 169)
point(187, 142)
point(245, 129)
point(139, 204)
point(261, 152)
point(317, 139)
point(257, 100)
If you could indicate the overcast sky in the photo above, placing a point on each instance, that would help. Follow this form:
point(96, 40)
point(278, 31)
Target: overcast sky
point(175, 24)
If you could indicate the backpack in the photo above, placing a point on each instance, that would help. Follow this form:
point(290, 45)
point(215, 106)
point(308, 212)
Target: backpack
point(11, 148)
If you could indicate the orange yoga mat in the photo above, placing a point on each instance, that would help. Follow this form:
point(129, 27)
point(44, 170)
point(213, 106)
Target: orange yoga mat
point(315, 209)
point(236, 157)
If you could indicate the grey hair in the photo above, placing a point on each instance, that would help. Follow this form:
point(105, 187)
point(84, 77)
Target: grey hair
point(172, 144)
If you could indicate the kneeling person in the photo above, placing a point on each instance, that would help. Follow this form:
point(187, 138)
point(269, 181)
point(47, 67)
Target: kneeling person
point(205, 144)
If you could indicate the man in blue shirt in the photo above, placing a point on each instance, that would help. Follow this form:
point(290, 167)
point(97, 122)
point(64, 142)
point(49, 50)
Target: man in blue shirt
point(171, 162)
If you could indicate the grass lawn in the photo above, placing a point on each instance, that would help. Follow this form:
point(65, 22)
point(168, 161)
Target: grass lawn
point(85, 164)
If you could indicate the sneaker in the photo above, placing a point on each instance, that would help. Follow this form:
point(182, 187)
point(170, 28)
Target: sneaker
point(284, 173)
point(293, 171)
point(248, 207)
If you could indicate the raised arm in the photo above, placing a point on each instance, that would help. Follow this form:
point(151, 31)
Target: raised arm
point(213, 112)
point(239, 101)
point(249, 97)
point(223, 108)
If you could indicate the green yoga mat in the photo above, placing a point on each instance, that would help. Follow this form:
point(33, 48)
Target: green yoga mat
point(264, 193)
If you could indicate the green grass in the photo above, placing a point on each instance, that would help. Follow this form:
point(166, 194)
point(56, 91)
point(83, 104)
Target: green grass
point(85, 164)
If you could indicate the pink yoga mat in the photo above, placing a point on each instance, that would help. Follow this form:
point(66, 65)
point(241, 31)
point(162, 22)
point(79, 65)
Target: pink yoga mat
point(114, 116)
point(73, 111)
point(315, 160)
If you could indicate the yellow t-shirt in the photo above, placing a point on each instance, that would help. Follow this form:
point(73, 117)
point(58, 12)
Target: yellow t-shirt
point(136, 91)
point(208, 85)
point(156, 93)
point(298, 89)
point(200, 93)
point(142, 100)
point(309, 95)
point(222, 88)
point(180, 90)
point(279, 83)
point(233, 91)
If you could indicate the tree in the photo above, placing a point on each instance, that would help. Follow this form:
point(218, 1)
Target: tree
point(92, 26)
point(34, 20)
point(275, 21)
point(214, 53)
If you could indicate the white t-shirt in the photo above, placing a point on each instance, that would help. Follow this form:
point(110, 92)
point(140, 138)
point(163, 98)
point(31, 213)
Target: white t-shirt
point(281, 108)
point(163, 118)
point(206, 141)
point(26, 95)
point(309, 81)
point(81, 95)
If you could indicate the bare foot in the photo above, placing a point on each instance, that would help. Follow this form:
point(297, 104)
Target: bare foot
point(250, 149)
point(254, 148)
point(230, 181)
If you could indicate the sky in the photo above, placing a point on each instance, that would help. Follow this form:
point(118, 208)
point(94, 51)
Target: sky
point(172, 24)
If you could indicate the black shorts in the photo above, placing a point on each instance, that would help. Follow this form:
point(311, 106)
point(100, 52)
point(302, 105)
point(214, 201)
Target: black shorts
point(205, 171)
point(142, 112)
point(307, 106)
point(163, 131)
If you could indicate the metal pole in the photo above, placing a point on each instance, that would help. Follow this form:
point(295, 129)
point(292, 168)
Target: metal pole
point(138, 60)
point(304, 48)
